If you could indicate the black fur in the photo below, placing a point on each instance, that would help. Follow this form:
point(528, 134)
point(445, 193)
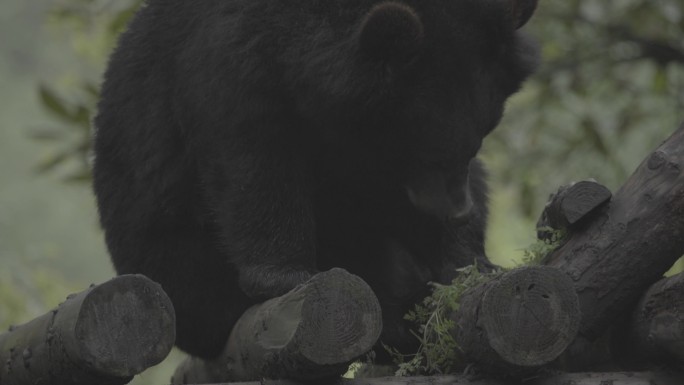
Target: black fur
point(243, 145)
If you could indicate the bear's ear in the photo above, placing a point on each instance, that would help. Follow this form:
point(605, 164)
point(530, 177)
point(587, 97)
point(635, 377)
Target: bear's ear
point(391, 32)
point(521, 11)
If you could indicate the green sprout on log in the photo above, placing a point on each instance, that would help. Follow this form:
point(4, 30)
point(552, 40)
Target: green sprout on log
point(535, 253)
point(438, 352)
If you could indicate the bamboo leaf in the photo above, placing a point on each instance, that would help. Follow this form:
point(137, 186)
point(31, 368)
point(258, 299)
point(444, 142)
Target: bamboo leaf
point(46, 135)
point(52, 162)
point(54, 104)
point(91, 89)
point(81, 118)
point(79, 177)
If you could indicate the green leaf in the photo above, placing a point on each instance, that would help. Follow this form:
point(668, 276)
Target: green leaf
point(91, 89)
point(52, 162)
point(660, 81)
point(79, 177)
point(81, 118)
point(46, 135)
point(54, 104)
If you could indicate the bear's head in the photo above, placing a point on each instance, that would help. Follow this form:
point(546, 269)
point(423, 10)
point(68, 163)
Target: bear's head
point(404, 91)
point(441, 72)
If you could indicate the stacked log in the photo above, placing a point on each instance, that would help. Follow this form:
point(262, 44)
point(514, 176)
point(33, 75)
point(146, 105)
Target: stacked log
point(102, 336)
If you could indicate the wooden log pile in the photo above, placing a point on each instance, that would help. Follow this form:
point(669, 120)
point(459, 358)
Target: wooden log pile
point(597, 302)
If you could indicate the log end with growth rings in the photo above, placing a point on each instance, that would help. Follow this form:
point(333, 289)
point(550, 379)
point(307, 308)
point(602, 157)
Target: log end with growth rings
point(125, 326)
point(531, 315)
point(341, 325)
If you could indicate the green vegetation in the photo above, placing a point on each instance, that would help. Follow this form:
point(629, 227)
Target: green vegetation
point(93, 27)
point(534, 254)
point(610, 88)
point(438, 352)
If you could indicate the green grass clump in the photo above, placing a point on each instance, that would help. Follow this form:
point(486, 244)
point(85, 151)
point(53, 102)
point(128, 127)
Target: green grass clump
point(535, 253)
point(438, 352)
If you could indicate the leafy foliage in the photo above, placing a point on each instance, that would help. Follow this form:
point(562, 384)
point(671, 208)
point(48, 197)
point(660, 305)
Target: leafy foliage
point(94, 25)
point(71, 138)
point(610, 87)
point(438, 352)
point(535, 253)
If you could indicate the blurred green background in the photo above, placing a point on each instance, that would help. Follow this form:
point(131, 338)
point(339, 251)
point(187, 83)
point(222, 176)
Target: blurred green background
point(610, 89)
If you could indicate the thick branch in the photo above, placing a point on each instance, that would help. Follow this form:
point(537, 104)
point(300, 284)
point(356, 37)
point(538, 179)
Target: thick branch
point(631, 243)
point(522, 319)
point(314, 331)
point(102, 336)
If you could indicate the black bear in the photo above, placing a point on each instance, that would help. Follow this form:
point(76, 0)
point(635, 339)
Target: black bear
point(243, 145)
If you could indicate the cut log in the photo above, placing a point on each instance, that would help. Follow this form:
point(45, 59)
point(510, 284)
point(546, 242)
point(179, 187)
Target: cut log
point(102, 336)
point(570, 204)
point(522, 319)
point(631, 243)
point(655, 332)
point(314, 331)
